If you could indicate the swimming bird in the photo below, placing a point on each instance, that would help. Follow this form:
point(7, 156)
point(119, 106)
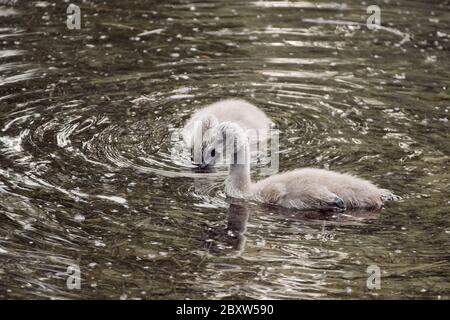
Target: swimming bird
point(305, 189)
point(196, 132)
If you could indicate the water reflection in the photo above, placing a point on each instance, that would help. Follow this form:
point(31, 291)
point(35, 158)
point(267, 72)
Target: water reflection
point(229, 240)
point(87, 167)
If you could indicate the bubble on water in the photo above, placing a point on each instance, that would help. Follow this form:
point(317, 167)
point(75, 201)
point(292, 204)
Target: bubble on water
point(41, 4)
point(79, 217)
point(99, 243)
point(400, 76)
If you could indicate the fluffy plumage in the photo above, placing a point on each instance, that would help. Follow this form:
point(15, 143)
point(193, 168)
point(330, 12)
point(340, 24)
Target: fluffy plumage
point(304, 189)
point(198, 133)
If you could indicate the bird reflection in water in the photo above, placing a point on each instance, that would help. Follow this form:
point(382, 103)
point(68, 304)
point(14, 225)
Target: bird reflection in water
point(230, 241)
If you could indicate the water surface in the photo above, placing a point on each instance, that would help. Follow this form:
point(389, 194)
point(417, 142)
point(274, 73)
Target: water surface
point(88, 176)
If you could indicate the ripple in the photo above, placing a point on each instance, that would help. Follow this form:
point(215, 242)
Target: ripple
point(300, 4)
point(92, 171)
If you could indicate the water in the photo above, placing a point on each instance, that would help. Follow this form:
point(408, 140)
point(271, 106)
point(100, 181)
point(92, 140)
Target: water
point(87, 172)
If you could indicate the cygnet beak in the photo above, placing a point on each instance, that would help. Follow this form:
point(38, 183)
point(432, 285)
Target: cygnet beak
point(204, 165)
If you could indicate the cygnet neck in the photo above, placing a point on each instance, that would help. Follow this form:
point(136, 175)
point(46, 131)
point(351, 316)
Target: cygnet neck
point(239, 182)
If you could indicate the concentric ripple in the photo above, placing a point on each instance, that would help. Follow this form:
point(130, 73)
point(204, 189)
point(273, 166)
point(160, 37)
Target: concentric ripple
point(93, 172)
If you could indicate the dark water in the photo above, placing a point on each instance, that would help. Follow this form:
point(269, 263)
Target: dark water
point(88, 177)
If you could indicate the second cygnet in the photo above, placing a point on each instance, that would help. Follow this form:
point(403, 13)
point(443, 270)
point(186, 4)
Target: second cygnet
point(198, 131)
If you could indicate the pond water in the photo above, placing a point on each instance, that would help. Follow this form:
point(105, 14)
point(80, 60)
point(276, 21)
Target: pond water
point(87, 173)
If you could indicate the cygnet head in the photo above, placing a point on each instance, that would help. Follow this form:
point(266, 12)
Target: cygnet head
point(227, 141)
point(198, 137)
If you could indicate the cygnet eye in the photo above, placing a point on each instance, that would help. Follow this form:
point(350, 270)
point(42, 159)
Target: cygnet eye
point(213, 152)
